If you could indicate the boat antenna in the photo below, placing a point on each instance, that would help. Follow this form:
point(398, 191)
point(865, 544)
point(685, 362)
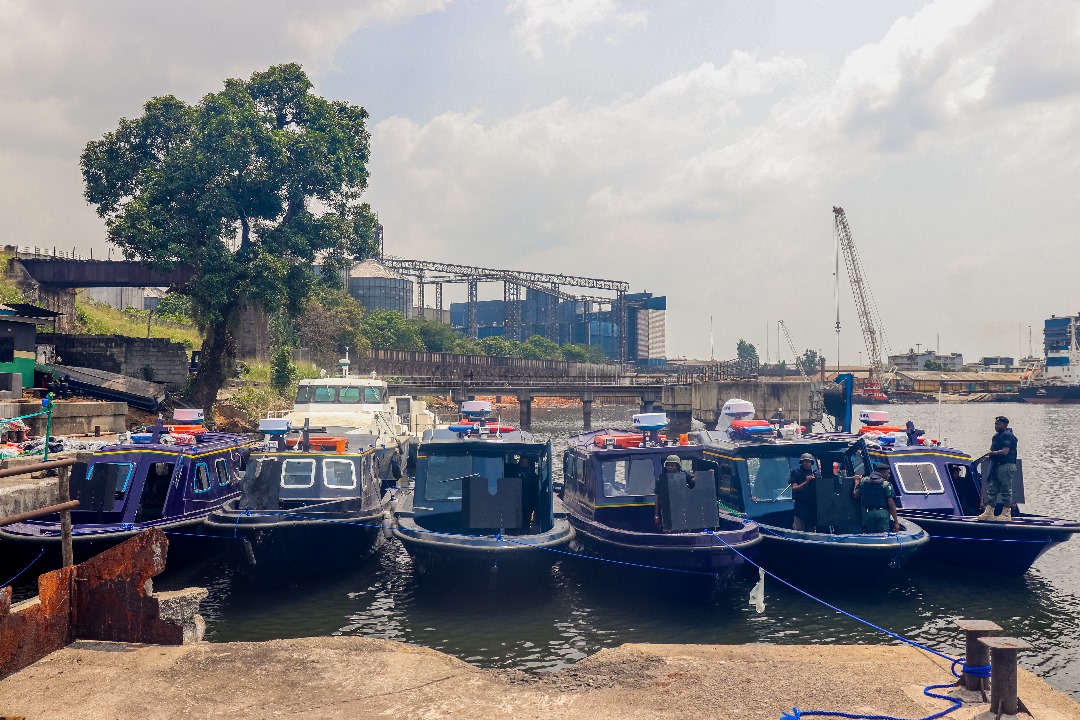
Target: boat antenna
point(836, 294)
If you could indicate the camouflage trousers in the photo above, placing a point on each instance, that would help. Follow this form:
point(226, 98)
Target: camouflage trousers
point(875, 520)
point(1000, 487)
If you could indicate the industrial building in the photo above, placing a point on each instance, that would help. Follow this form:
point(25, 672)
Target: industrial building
point(626, 326)
point(918, 361)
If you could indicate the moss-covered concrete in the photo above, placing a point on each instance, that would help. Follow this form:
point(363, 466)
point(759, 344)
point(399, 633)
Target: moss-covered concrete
point(347, 677)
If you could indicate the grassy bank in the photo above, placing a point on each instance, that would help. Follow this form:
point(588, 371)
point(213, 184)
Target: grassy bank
point(99, 319)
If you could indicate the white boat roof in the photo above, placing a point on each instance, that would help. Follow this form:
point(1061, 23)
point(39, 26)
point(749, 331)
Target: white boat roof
point(351, 381)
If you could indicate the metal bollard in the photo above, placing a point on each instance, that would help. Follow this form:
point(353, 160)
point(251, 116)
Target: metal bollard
point(975, 653)
point(1003, 651)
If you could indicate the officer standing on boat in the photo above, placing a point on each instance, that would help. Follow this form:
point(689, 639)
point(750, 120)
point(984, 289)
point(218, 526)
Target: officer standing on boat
point(1002, 458)
point(875, 494)
point(803, 481)
point(673, 472)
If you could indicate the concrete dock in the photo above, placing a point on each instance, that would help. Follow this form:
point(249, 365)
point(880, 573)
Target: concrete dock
point(349, 677)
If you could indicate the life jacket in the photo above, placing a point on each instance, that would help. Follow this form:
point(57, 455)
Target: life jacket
point(872, 493)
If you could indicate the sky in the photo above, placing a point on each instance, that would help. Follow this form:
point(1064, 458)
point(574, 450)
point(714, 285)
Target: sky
point(692, 148)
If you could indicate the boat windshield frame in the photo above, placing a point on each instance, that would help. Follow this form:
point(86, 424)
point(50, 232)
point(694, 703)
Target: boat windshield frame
point(336, 394)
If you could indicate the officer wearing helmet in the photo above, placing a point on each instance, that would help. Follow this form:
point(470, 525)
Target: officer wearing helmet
point(875, 495)
point(672, 472)
point(803, 481)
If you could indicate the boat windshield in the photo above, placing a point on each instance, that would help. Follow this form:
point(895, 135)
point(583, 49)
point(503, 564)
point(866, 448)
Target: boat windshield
point(769, 477)
point(629, 477)
point(367, 394)
point(444, 473)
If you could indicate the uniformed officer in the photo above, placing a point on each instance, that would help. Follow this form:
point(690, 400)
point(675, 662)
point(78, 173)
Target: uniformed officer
point(1002, 458)
point(673, 472)
point(875, 494)
point(803, 481)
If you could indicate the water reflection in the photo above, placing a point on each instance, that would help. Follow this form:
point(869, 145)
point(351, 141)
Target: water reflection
point(581, 610)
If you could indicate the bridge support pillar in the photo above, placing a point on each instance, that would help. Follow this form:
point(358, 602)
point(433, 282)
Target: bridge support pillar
point(586, 411)
point(525, 419)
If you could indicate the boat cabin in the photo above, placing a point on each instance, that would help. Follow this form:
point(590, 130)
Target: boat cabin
point(753, 477)
point(481, 485)
point(292, 479)
point(611, 477)
point(162, 477)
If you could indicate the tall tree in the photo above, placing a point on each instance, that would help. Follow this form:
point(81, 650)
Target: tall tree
point(746, 352)
point(248, 187)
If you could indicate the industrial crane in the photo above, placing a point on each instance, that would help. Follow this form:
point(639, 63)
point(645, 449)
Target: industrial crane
point(794, 352)
point(873, 329)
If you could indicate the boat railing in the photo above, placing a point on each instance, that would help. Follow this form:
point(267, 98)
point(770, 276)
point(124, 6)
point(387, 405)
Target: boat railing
point(64, 507)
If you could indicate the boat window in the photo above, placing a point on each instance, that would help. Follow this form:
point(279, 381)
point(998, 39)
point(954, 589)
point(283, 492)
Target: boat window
point(202, 478)
point(99, 472)
point(374, 395)
point(769, 477)
point(339, 474)
point(223, 476)
point(633, 477)
point(727, 485)
point(303, 394)
point(919, 478)
point(324, 394)
point(568, 467)
point(297, 473)
point(349, 395)
point(444, 475)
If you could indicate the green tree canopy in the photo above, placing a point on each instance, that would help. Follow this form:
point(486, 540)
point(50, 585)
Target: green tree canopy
point(390, 330)
point(247, 187)
point(539, 347)
point(811, 362)
point(746, 352)
point(499, 346)
point(436, 336)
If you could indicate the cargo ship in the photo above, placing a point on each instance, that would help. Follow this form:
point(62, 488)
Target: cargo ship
point(1057, 379)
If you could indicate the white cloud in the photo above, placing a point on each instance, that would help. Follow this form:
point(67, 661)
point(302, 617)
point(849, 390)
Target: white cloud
point(568, 19)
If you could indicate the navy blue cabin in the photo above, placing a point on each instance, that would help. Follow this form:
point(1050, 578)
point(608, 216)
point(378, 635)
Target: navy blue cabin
point(136, 483)
point(282, 481)
point(617, 487)
point(932, 478)
point(479, 486)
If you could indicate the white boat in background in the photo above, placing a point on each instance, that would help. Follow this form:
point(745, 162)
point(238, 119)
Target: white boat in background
point(359, 408)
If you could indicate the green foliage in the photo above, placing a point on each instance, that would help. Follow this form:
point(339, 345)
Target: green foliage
point(95, 318)
point(811, 362)
point(390, 330)
point(282, 371)
point(175, 308)
point(468, 346)
point(539, 347)
point(584, 353)
point(436, 336)
point(746, 352)
point(498, 346)
point(935, 366)
point(258, 400)
point(248, 187)
point(9, 291)
point(331, 321)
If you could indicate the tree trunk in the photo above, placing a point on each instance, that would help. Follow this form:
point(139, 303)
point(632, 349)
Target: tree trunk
point(216, 361)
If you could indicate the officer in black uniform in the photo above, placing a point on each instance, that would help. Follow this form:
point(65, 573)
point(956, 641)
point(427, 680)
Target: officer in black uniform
point(803, 481)
point(1002, 458)
point(875, 495)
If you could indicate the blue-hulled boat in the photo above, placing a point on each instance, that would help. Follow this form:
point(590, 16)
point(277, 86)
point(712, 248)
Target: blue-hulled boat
point(303, 511)
point(481, 503)
point(940, 489)
point(753, 471)
point(167, 480)
point(610, 482)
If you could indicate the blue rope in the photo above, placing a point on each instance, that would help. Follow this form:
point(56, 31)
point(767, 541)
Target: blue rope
point(796, 713)
point(24, 569)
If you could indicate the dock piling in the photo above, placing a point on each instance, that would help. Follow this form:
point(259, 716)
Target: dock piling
point(586, 411)
point(64, 495)
point(1003, 652)
point(525, 420)
point(975, 653)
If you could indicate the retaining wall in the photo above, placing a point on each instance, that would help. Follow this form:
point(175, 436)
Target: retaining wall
point(155, 359)
point(71, 418)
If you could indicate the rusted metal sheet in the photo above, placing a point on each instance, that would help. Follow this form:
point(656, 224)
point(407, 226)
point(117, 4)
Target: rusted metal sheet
point(32, 629)
point(108, 597)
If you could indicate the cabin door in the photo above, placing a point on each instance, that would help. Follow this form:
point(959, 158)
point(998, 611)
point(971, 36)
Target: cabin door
point(155, 491)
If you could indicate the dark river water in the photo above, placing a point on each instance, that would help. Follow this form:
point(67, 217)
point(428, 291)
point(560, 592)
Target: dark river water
point(581, 611)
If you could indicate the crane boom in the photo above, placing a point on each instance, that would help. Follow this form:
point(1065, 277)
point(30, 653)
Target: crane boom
point(794, 352)
point(869, 318)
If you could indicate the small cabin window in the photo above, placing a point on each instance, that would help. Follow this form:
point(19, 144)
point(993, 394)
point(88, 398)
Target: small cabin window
point(202, 478)
point(223, 476)
point(374, 395)
point(303, 394)
point(297, 473)
point(324, 394)
point(568, 468)
point(99, 471)
point(339, 474)
point(444, 475)
point(349, 395)
point(920, 478)
point(769, 478)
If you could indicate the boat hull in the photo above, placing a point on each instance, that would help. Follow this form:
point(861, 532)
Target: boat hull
point(278, 546)
point(1051, 394)
point(997, 547)
point(854, 557)
point(514, 558)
